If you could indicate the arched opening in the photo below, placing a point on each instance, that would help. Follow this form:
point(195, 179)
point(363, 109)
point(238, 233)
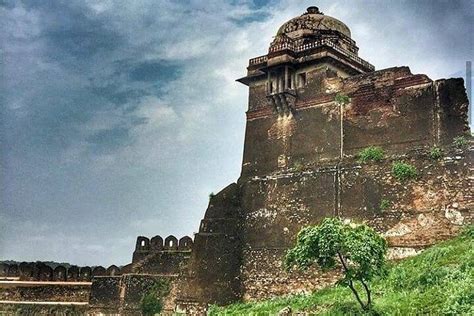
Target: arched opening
point(143, 244)
point(171, 243)
point(185, 243)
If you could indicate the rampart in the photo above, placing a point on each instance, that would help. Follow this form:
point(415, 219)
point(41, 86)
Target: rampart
point(39, 271)
point(154, 260)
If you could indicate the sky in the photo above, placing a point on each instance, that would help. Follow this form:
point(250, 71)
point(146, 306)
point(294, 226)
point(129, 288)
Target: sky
point(119, 118)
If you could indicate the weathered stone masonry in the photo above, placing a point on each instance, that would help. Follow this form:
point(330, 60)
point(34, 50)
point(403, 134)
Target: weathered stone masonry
point(300, 165)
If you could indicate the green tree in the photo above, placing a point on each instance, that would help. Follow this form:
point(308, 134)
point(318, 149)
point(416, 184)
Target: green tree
point(151, 305)
point(357, 248)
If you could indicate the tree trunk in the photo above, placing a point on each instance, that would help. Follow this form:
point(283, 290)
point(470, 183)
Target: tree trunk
point(369, 299)
point(351, 285)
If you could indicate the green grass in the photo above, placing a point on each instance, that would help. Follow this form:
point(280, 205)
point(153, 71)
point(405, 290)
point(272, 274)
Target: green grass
point(439, 281)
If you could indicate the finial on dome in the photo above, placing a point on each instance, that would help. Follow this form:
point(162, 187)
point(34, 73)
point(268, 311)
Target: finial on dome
point(313, 10)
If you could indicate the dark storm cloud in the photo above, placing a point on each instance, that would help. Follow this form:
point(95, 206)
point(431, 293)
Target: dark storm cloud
point(89, 128)
point(117, 115)
point(109, 139)
point(154, 71)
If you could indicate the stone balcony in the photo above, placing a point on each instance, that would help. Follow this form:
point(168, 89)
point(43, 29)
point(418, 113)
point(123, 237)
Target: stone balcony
point(299, 49)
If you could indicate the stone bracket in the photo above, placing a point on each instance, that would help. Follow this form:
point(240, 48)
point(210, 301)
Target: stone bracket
point(282, 103)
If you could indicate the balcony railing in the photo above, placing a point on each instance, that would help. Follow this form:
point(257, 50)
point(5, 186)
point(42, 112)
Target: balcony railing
point(258, 60)
point(307, 46)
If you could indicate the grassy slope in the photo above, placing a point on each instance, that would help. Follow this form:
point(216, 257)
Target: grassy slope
point(440, 281)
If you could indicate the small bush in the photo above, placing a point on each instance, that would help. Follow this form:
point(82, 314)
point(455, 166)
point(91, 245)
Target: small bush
point(384, 205)
point(436, 153)
point(151, 305)
point(211, 195)
point(342, 99)
point(403, 171)
point(298, 166)
point(371, 153)
point(460, 142)
point(152, 302)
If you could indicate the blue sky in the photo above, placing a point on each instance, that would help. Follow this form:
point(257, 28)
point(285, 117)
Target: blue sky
point(120, 117)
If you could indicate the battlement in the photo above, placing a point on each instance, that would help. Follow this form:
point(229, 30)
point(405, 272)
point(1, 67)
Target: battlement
point(39, 271)
point(146, 246)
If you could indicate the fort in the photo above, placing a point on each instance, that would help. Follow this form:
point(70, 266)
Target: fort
point(300, 165)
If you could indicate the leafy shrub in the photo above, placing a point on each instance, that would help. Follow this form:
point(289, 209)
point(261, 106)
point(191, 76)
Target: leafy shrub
point(152, 302)
point(460, 142)
point(436, 153)
point(151, 305)
point(384, 205)
point(211, 195)
point(371, 153)
point(358, 248)
point(403, 171)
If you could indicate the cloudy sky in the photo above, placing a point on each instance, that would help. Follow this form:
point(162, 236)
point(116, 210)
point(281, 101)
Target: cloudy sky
point(118, 118)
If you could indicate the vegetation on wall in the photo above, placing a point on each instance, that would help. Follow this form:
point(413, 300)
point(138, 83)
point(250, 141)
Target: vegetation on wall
point(403, 171)
point(439, 281)
point(342, 99)
point(371, 153)
point(436, 153)
point(26, 309)
point(298, 166)
point(357, 248)
point(384, 205)
point(460, 142)
point(152, 301)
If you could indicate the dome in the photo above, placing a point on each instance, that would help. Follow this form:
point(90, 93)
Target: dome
point(311, 22)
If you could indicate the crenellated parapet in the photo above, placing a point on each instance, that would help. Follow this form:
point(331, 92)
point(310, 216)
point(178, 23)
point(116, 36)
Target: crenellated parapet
point(146, 246)
point(40, 271)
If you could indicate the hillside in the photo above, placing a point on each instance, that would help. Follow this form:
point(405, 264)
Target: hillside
point(440, 281)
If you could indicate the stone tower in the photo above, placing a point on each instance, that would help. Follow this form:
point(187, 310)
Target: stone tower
point(308, 59)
